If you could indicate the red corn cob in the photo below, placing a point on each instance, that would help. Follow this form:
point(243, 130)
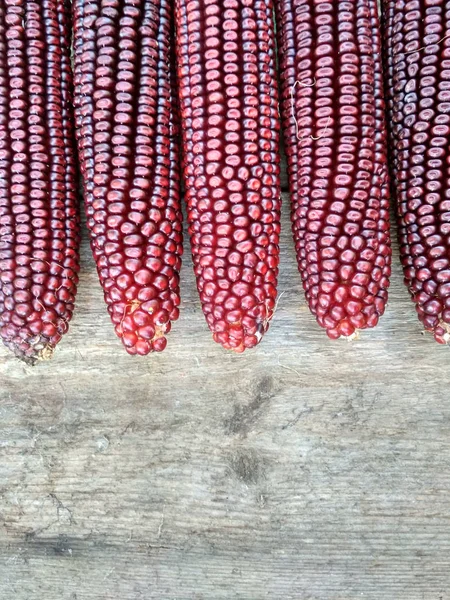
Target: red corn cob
point(417, 49)
point(228, 101)
point(127, 143)
point(334, 128)
point(39, 231)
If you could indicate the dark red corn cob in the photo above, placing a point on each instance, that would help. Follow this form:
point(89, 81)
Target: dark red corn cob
point(417, 45)
point(39, 232)
point(335, 136)
point(127, 139)
point(228, 102)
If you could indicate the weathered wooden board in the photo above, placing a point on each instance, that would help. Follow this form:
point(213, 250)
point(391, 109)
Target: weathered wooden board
point(304, 469)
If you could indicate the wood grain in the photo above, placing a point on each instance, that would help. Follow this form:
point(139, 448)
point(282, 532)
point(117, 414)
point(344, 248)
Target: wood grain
point(304, 469)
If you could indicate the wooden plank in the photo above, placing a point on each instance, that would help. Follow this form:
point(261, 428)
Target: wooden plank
point(304, 469)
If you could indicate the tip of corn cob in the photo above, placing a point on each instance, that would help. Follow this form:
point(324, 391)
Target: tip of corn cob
point(441, 333)
point(30, 351)
point(142, 326)
point(239, 338)
point(243, 327)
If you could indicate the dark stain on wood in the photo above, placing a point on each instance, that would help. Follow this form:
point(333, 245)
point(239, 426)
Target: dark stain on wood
point(247, 465)
point(244, 416)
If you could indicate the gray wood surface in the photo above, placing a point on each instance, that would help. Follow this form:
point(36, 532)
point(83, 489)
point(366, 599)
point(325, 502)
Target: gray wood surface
point(304, 469)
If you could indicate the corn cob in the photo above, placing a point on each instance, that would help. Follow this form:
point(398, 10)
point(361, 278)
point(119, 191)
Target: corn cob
point(229, 112)
point(417, 51)
point(127, 139)
point(39, 230)
point(332, 110)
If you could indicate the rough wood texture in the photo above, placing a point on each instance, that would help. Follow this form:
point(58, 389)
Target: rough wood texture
point(305, 469)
